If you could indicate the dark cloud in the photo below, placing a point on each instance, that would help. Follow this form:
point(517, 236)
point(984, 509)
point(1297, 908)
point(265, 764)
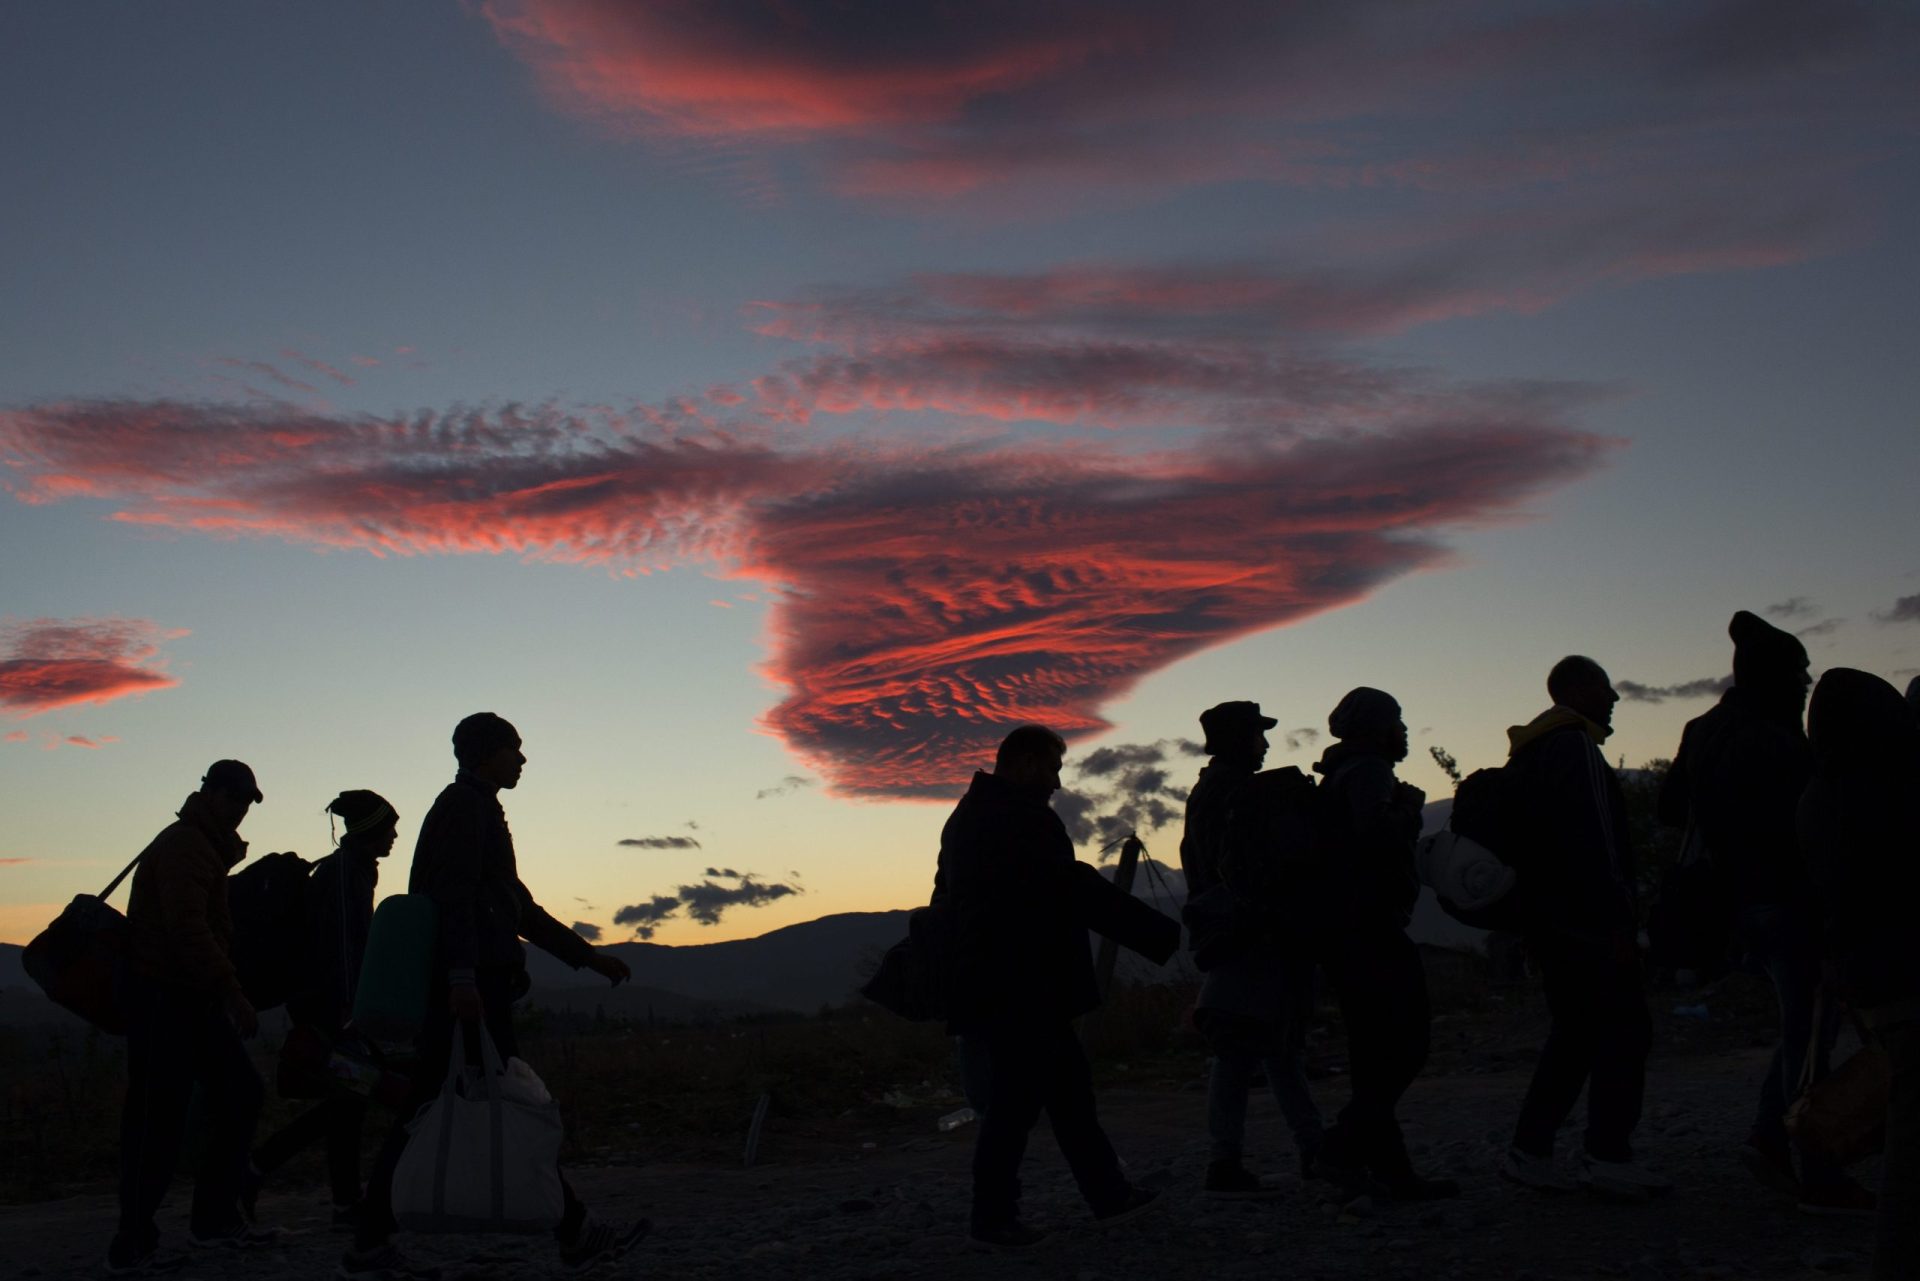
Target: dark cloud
point(1704, 687)
point(1904, 610)
point(661, 843)
point(1791, 607)
point(47, 663)
point(785, 787)
point(587, 931)
point(726, 872)
point(645, 918)
point(1122, 788)
point(708, 901)
point(1825, 627)
point(1305, 736)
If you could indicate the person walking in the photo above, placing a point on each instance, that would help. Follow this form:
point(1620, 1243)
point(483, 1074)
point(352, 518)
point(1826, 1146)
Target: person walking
point(1254, 1008)
point(1735, 784)
point(1577, 867)
point(1859, 823)
point(1022, 972)
point(1368, 821)
point(188, 1021)
point(465, 863)
point(339, 903)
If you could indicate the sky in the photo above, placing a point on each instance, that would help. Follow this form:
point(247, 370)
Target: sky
point(767, 405)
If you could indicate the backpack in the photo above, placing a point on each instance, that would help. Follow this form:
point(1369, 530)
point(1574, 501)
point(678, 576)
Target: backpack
point(1267, 856)
point(267, 900)
point(1485, 813)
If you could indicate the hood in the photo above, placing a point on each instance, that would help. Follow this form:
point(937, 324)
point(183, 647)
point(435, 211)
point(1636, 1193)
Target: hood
point(1857, 715)
point(1554, 718)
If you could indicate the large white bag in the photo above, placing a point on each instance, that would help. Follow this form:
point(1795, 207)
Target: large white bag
point(482, 1157)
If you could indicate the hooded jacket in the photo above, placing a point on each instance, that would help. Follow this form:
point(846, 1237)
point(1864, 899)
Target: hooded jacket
point(1737, 779)
point(1575, 855)
point(1859, 823)
point(1007, 876)
point(179, 931)
point(1368, 831)
point(464, 862)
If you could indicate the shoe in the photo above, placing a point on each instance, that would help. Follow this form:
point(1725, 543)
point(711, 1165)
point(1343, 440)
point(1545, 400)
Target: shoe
point(1231, 1181)
point(1012, 1235)
point(382, 1263)
point(1772, 1165)
point(241, 1236)
point(150, 1262)
point(1536, 1172)
point(1415, 1188)
point(1621, 1180)
point(1840, 1199)
point(1139, 1201)
point(599, 1242)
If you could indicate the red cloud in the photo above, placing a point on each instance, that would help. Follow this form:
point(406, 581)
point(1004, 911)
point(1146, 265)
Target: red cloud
point(53, 663)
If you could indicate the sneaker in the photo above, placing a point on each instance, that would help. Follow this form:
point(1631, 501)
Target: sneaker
point(241, 1236)
point(598, 1242)
point(1139, 1201)
point(382, 1263)
point(1842, 1198)
point(1536, 1172)
point(1772, 1165)
point(150, 1262)
point(1012, 1235)
point(1622, 1180)
point(1231, 1181)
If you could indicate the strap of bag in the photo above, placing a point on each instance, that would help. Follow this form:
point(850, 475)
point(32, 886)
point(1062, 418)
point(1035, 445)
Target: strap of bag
point(114, 884)
point(1808, 1062)
point(495, 1073)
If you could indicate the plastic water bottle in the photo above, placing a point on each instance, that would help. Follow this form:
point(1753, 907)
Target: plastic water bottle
point(954, 1120)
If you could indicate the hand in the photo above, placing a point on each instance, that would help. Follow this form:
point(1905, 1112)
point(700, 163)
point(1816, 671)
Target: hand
point(240, 1013)
point(464, 1000)
point(610, 967)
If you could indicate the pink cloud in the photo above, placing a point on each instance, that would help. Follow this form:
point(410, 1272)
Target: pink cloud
point(14, 862)
point(270, 372)
point(50, 663)
point(16, 736)
point(91, 744)
point(320, 367)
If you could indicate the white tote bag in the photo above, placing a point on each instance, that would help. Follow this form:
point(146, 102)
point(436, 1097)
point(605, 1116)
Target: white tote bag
point(482, 1157)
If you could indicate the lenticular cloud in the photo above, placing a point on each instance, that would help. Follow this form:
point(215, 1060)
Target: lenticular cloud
point(46, 663)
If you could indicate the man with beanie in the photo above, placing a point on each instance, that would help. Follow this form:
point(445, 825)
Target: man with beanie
point(1368, 821)
point(187, 1023)
point(1576, 860)
point(1254, 1008)
point(1735, 782)
point(464, 862)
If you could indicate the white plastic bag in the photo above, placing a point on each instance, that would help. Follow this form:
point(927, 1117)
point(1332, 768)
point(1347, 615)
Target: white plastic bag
point(484, 1155)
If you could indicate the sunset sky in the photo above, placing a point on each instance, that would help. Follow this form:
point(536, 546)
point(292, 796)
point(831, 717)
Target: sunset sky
point(766, 404)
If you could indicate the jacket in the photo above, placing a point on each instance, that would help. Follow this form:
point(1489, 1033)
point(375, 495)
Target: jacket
point(1737, 779)
point(339, 917)
point(464, 862)
point(1367, 830)
point(1574, 853)
point(1254, 984)
point(179, 931)
point(1007, 878)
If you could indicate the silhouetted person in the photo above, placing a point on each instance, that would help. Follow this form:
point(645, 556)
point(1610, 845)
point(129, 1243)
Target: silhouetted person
point(1022, 972)
point(1860, 827)
point(187, 1018)
point(1571, 821)
point(1913, 695)
point(1736, 780)
point(1368, 821)
point(464, 861)
point(339, 901)
point(1254, 1009)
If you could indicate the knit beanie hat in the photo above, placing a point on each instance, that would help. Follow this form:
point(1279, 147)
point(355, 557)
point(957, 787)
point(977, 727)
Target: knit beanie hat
point(1763, 654)
point(362, 811)
point(1363, 710)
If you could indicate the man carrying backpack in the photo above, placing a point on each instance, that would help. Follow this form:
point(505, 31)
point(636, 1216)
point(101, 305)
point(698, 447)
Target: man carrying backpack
point(188, 1019)
point(1737, 780)
point(465, 863)
point(1576, 863)
point(1255, 1006)
point(1367, 823)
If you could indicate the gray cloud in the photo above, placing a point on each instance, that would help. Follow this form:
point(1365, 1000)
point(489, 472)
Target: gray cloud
point(709, 900)
point(1825, 627)
point(661, 843)
point(646, 917)
point(1904, 610)
point(791, 783)
point(1703, 687)
point(1791, 607)
point(1305, 736)
point(1132, 791)
point(587, 931)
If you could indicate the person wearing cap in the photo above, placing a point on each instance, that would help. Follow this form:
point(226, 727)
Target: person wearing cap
point(1582, 935)
point(1735, 783)
point(339, 907)
point(1254, 1008)
point(188, 1020)
point(464, 861)
point(1368, 821)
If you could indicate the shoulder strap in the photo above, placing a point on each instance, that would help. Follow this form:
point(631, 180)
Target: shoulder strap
point(114, 884)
